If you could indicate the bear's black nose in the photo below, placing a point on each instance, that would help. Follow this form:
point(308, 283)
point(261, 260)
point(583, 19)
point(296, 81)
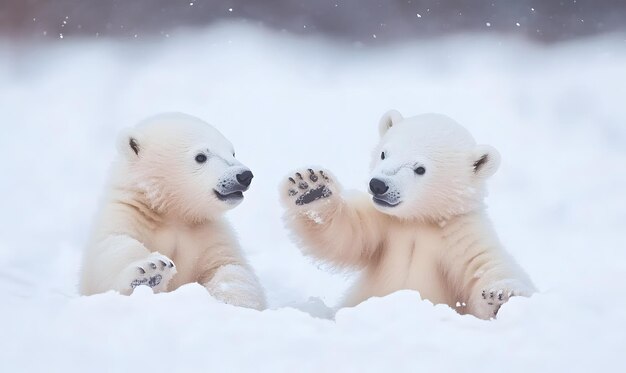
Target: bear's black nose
point(378, 187)
point(245, 178)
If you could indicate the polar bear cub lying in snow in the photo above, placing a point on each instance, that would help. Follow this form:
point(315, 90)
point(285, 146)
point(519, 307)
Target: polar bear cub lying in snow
point(162, 221)
point(424, 228)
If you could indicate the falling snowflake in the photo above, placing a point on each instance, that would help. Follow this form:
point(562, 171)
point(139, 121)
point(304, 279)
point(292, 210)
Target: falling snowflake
point(488, 24)
point(419, 15)
point(517, 24)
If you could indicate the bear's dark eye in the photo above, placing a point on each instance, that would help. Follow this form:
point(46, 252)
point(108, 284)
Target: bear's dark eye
point(201, 158)
point(382, 155)
point(420, 170)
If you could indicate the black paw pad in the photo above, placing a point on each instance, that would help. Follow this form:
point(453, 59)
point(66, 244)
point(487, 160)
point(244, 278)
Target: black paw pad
point(313, 195)
point(152, 281)
point(292, 192)
point(303, 185)
point(312, 176)
point(139, 281)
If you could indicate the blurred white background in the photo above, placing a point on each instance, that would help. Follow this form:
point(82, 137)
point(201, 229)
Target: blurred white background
point(550, 101)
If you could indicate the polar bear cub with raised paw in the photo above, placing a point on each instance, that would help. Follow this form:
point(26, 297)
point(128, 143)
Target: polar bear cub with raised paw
point(162, 222)
point(424, 228)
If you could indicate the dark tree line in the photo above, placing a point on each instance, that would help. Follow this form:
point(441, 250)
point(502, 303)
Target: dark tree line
point(368, 21)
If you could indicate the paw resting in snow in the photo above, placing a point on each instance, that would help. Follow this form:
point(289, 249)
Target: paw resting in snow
point(488, 302)
point(308, 186)
point(236, 285)
point(155, 271)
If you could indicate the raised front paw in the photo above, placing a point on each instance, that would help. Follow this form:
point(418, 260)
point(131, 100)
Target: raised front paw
point(309, 185)
point(155, 271)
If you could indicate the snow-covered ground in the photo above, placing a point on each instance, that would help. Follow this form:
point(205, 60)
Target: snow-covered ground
point(556, 113)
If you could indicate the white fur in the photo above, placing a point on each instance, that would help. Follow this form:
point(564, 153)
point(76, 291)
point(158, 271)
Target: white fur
point(436, 238)
point(161, 207)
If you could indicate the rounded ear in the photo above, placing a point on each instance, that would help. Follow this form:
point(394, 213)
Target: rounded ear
point(128, 145)
point(486, 161)
point(389, 119)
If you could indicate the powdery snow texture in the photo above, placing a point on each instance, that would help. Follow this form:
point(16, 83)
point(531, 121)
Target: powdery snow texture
point(555, 113)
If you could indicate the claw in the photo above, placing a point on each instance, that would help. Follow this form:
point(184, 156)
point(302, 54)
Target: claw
point(292, 180)
point(299, 175)
point(152, 265)
point(141, 270)
point(163, 264)
point(171, 264)
point(324, 175)
point(313, 177)
point(484, 295)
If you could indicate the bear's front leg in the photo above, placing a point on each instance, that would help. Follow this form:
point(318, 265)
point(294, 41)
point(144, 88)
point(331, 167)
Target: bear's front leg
point(236, 285)
point(344, 232)
point(121, 263)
